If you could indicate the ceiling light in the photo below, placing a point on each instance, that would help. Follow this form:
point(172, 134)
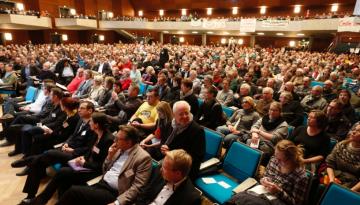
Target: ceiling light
point(279, 34)
point(210, 32)
point(242, 33)
point(180, 32)
point(8, 36)
point(226, 33)
point(194, 32)
point(101, 37)
point(235, 10)
point(297, 9)
point(263, 9)
point(165, 31)
point(260, 34)
point(140, 13)
point(292, 43)
point(300, 34)
point(64, 37)
point(183, 12)
point(334, 7)
point(209, 11)
point(161, 12)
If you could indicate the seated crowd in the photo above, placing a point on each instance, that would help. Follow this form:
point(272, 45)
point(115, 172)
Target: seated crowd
point(110, 110)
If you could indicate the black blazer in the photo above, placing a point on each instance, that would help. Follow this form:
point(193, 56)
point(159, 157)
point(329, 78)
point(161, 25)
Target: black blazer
point(212, 115)
point(82, 139)
point(54, 119)
point(95, 160)
point(106, 68)
point(193, 102)
point(192, 140)
point(67, 128)
point(184, 194)
point(105, 97)
point(34, 71)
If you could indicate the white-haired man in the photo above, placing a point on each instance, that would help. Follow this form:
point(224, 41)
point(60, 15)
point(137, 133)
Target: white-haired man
point(187, 135)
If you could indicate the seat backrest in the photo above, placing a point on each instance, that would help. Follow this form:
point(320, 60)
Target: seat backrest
point(31, 94)
point(315, 83)
point(336, 194)
point(290, 130)
point(142, 87)
point(332, 144)
point(213, 141)
point(241, 161)
point(200, 101)
point(228, 111)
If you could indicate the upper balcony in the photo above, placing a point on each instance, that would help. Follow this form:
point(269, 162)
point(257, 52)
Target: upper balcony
point(26, 22)
point(220, 25)
point(75, 23)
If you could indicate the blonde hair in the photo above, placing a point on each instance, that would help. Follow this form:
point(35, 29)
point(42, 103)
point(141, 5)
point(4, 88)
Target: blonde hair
point(181, 160)
point(293, 153)
point(165, 108)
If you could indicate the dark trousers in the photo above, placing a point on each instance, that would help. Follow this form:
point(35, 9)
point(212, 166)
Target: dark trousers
point(11, 134)
point(63, 180)
point(98, 194)
point(28, 133)
point(38, 168)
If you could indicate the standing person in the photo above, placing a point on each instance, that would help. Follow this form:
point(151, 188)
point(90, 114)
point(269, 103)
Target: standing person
point(127, 170)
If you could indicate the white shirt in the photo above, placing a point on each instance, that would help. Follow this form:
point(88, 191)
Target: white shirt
point(36, 106)
point(163, 195)
point(111, 176)
point(100, 67)
point(67, 72)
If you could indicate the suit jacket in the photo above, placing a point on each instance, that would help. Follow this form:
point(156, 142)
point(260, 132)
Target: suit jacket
point(192, 140)
point(185, 193)
point(211, 115)
point(193, 102)
point(84, 88)
point(34, 70)
point(54, 119)
point(106, 68)
point(82, 139)
point(95, 160)
point(67, 128)
point(104, 97)
point(45, 109)
point(134, 174)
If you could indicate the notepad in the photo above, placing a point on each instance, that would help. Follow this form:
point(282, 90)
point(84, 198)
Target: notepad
point(209, 180)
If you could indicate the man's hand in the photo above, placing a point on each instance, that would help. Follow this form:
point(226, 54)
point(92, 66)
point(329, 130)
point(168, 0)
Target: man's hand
point(80, 161)
point(164, 149)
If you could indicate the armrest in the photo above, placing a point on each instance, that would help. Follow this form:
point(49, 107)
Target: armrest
point(209, 163)
point(245, 185)
point(24, 102)
point(94, 181)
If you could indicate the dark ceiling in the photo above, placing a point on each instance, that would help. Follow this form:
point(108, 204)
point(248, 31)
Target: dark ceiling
point(227, 4)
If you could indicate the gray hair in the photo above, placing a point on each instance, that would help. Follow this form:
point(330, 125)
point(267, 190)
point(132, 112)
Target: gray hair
point(179, 104)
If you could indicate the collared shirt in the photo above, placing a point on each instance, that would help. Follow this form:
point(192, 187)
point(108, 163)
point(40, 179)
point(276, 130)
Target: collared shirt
point(67, 72)
point(166, 193)
point(100, 69)
point(111, 176)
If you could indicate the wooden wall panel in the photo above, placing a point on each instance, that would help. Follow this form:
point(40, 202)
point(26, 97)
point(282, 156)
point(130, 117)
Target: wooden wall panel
point(274, 42)
point(189, 39)
point(18, 36)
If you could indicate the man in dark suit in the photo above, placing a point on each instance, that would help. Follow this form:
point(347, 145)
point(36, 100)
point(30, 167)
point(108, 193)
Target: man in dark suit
point(78, 144)
point(187, 94)
point(52, 122)
point(127, 169)
point(187, 135)
point(171, 186)
point(29, 70)
point(103, 67)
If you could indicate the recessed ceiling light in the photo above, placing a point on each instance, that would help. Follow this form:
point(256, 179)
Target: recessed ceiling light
point(279, 34)
point(180, 32)
point(260, 33)
point(242, 33)
point(300, 34)
point(194, 32)
point(226, 33)
point(210, 32)
point(166, 31)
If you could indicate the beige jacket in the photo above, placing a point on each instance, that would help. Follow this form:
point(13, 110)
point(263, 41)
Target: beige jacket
point(134, 174)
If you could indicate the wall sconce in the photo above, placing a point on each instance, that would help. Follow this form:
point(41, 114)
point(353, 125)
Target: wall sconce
point(8, 36)
point(64, 37)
